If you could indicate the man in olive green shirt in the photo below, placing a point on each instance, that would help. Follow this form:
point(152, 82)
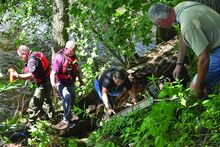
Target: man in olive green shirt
point(200, 31)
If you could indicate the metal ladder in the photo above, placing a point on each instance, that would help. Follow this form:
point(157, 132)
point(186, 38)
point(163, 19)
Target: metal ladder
point(140, 105)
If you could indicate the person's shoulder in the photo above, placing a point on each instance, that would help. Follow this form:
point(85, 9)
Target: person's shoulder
point(38, 54)
point(109, 72)
point(186, 4)
point(59, 55)
point(32, 56)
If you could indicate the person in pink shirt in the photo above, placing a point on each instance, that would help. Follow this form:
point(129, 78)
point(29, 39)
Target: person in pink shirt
point(63, 76)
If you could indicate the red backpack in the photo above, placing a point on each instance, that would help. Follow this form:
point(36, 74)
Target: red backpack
point(44, 62)
point(45, 65)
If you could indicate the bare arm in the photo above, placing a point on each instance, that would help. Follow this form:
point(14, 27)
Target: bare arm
point(52, 78)
point(105, 98)
point(106, 102)
point(180, 58)
point(53, 83)
point(133, 96)
point(26, 76)
point(203, 62)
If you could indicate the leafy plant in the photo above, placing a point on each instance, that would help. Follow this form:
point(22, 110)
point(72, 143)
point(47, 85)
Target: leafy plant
point(176, 122)
point(29, 20)
point(122, 130)
point(111, 25)
point(39, 135)
point(4, 87)
point(10, 125)
point(153, 79)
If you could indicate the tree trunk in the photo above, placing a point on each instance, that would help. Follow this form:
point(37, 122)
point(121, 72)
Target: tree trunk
point(215, 4)
point(60, 23)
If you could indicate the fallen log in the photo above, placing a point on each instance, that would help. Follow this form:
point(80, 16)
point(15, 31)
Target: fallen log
point(159, 62)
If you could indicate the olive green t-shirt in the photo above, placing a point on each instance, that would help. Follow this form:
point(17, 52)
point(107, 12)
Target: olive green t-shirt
point(200, 26)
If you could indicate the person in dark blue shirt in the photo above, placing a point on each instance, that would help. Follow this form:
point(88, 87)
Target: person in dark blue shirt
point(110, 84)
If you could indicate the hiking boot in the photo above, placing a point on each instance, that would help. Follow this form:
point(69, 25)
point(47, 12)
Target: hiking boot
point(62, 125)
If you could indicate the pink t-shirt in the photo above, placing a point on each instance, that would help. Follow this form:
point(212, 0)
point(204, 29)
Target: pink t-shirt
point(65, 68)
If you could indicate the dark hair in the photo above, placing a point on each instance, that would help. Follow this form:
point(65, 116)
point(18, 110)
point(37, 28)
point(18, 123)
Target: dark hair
point(120, 74)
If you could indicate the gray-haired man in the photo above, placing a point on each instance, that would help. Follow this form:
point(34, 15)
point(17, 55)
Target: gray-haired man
point(200, 31)
point(37, 70)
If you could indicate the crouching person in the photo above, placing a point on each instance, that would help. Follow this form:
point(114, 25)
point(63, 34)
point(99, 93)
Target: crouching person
point(110, 84)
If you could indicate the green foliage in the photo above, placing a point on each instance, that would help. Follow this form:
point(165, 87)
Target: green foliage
point(9, 123)
point(173, 90)
point(153, 79)
point(39, 135)
point(85, 115)
point(111, 23)
point(89, 70)
point(8, 126)
point(72, 143)
point(28, 20)
point(120, 130)
point(8, 86)
point(211, 115)
point(79, 111)
point(167, 123)
point(117, 25)
point(156, 123)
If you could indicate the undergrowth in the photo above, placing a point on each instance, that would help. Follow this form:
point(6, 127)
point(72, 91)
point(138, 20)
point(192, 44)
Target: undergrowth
point(183, 121)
